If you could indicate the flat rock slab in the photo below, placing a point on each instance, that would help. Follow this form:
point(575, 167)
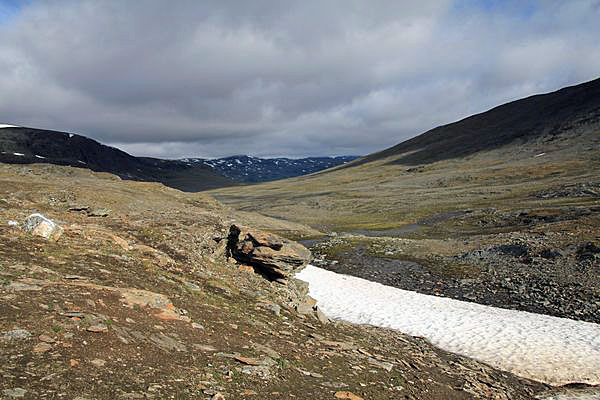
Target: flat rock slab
point(163, 307)
point(273, 255)
point(556, 351)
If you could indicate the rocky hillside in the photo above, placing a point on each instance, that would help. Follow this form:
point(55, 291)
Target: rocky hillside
point(254, 169)
point(514, 224)
point(150, 293)
point(500, 159)
point(21, 145)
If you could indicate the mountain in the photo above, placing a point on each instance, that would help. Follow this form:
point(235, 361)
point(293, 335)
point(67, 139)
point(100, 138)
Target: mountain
point(501, 158)
point(249, 169)
point(19, 145)
point(501, 208)
point(568, 111)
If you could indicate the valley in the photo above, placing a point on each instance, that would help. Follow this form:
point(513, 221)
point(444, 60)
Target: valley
point(322, 200)
point(513, 224)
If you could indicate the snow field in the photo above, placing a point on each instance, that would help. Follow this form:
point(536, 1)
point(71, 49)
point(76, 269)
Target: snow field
point(548, 349)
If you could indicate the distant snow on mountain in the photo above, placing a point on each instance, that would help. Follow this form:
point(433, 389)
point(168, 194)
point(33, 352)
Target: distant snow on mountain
point(249, 169)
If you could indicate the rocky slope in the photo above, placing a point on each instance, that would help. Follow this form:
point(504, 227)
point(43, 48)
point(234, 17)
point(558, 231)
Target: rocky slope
point(21, 145)
point(254, 169)
point(502, 208)
point(139, 297)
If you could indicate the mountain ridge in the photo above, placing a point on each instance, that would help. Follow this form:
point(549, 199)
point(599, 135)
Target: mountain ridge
point(22, 145)
point(550, 114)
point(249, 169)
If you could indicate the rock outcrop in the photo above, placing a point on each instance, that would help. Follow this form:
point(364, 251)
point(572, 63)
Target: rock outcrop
point(37, 224)
point(271, 254)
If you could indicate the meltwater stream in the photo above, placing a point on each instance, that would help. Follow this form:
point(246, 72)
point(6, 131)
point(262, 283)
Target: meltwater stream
point(548, 349)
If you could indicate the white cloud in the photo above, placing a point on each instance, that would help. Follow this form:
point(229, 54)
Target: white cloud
point(269, 78)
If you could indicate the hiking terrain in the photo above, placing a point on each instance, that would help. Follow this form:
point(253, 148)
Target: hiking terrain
point(501, 208)
point(140, 297)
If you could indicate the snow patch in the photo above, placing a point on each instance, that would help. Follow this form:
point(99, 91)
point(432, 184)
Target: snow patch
point(39, 156)
point(8, 126)
point(19, 154)
point(548, 349)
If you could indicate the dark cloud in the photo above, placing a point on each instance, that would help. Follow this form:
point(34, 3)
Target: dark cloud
point(216, 78)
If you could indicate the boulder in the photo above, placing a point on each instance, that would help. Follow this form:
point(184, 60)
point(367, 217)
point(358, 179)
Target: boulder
point(273, 255)
point(37, 224)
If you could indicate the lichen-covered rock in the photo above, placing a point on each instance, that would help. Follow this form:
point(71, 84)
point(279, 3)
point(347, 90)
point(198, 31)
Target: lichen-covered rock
point(275, 256)
point(37, 224)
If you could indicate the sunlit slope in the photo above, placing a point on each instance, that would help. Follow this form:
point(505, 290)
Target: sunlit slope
point(500, 158)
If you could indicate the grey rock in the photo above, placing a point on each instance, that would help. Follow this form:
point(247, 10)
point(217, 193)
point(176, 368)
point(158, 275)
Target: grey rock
point(267, 350)
point(304, 308)
point(275, 256)
point(261, 371)
point(39, 225)
point(15, 393)
point(98, 212)
point(167, 343)
point(322, 317)
point(381, 364)
point(192, 286)
point(20, 286)
point(275, 308)
point(97, 362)
point(16, 334)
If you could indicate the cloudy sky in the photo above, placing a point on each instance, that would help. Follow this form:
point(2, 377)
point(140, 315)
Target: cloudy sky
point(208, 78)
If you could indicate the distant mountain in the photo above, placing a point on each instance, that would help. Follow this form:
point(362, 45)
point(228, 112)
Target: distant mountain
point(19, 145)
point(570, 111)
point(254, 170)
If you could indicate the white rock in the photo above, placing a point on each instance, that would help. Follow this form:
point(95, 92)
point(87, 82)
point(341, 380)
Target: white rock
point(37, 224)
point(15, 393)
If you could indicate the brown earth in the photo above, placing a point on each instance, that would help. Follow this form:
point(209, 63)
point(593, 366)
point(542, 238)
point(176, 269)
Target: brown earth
point(144, 303)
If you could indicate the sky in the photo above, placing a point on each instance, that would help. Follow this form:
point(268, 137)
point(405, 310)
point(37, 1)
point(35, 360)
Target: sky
point(215, 78)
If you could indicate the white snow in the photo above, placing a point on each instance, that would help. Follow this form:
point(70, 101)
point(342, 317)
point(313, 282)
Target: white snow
point(8, 126)
point(573, 394)
point(548, 349)
point(39, 156)
point(71, 135)
point(19, 154)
